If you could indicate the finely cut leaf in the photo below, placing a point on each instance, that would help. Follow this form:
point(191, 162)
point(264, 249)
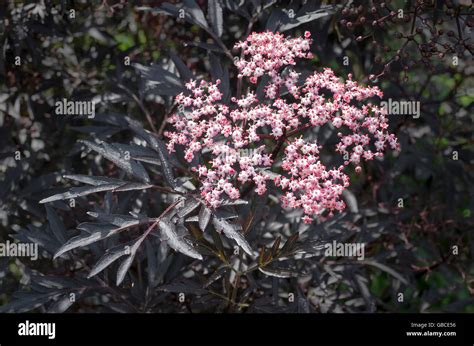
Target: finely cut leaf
point(165, 164)
point(189, 205)
point(61, 305)
point(158, 80)
point(55, 224)
point(79, 192)
point(231, 231)
point(130, 186)
point(192, 12)
point(85, 239)
point(113, 154)
point(278, 273)
point(289, 244)
point(123, 268)
point(184, 72)
point(116, 219)
point(305, 18)
point(176, 242)
point(215, 16)
point(216, 275)
point(160, 148)
point(125, 265)
point(120, 186)
point(92, 180)
point(110, 256)
point(204, 217)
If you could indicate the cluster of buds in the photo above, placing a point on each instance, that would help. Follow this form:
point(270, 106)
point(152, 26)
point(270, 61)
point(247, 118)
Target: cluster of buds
point(427, 32)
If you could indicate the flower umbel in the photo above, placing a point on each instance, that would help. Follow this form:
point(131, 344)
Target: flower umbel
point(220, 133)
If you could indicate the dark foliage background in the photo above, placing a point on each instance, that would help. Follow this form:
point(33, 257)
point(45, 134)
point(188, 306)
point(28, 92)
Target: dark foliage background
point(81, 55)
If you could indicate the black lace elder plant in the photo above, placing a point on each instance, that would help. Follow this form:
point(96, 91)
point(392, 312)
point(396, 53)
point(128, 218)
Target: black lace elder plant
point(174, 222)
point(216, 133)
point(408, 212)
point(193, 199)
point(155, 202)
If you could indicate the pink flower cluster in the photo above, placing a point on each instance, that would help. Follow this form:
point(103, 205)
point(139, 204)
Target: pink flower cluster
point(236, 141)
point(267, 52)
point(310, 185)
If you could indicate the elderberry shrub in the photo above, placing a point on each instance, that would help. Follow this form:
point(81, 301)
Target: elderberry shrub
point(245, 167)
